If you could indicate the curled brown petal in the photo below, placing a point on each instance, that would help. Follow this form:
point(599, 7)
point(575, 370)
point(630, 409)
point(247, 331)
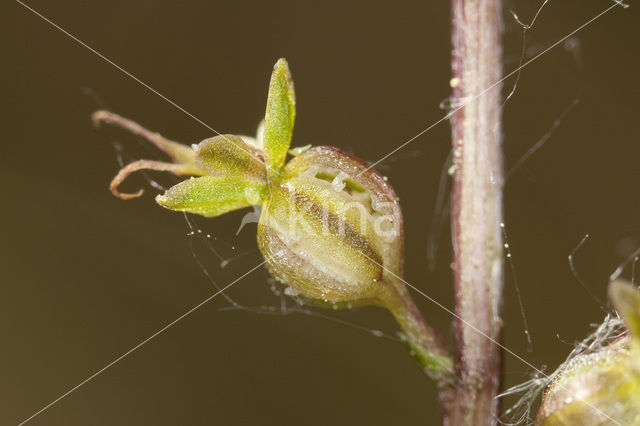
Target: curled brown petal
point(178, 169)
point(176, 151)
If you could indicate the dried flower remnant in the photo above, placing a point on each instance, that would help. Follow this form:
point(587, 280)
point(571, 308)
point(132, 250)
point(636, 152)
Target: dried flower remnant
point(602, 387)
point(330, 228)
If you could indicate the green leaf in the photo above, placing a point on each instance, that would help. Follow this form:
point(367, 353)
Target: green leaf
point(279, 117)
point(212, 195)
point(230, 155)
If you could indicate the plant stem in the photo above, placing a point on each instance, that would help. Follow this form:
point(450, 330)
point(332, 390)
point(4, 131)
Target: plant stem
point(426, 345)
point(477, 208)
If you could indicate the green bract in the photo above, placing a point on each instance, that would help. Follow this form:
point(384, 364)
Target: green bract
point(330, 226)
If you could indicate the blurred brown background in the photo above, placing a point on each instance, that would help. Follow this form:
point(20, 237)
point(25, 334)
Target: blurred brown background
point(85, 276)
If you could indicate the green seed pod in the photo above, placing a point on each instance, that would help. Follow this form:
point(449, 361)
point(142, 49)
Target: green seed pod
point(332, 228)
point(603, 387)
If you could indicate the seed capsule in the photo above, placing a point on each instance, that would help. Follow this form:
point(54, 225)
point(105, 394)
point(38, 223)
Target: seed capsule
point(331, 244)
point(601, 388)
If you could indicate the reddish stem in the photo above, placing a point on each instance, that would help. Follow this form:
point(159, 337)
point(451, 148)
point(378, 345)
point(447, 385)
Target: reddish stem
point(477, 208)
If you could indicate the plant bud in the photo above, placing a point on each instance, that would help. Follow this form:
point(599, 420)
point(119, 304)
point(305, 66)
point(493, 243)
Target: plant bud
point(331, 227)
point(602, 387)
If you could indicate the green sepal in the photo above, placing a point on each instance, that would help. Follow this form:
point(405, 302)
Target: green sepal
point(212, 195)
point(230, 155)
point(279, 117)
point(626, 300)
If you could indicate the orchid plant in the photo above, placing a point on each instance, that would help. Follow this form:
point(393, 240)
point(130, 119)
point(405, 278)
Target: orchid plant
point(330, 226)
point(331, 231)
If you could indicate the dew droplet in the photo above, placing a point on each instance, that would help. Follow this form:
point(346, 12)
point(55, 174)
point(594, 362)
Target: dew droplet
point(290, 291)
point(299, 150)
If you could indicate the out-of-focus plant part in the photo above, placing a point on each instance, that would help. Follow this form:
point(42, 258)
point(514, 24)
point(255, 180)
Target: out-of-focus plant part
point(603, 387)
point(330, 227)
